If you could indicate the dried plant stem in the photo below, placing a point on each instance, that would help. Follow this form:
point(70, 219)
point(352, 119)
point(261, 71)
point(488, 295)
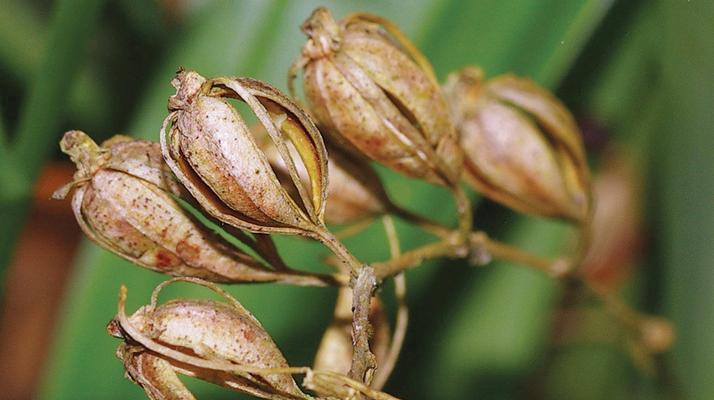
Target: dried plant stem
point(402, 319)
point(504, 251)
point(617, 308)
point(363, 361)
point(418, 220)
point(333, 384)
point(560, 268)
point(348, 262)
point(363, 285)
point(463, 208)
point(301, 278)
point(447, 247)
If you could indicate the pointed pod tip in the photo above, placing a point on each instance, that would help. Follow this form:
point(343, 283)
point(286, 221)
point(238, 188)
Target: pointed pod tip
point(188, 84)
point(114, 329)
point(324, 32)
point(75, 139)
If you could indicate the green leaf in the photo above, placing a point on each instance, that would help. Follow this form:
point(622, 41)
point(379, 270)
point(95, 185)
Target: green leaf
point(685, 188)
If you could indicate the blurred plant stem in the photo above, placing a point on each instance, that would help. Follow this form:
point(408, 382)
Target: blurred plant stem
point(41, 114)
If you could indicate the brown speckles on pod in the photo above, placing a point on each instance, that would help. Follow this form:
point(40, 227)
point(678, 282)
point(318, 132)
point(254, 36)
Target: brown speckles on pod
point(215, 156)
point(522, 146)
point(206, 339)
point(123, 200)
point(373, 89)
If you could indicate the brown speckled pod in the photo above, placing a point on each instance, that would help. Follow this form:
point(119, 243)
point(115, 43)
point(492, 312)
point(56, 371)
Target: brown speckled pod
point(370, 86)
point(354, 192)
point(522, 146)
point(210, 340)
point(123, 201)
point(215, 156)
point(335, 351)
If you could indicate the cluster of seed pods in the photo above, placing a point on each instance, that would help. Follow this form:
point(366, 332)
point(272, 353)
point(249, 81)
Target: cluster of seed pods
point(375, 97)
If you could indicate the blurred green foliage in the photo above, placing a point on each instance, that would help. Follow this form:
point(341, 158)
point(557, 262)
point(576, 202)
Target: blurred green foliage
point(642, 69)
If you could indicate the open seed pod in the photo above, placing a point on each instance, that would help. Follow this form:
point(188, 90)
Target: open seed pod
point(335, 351)
point(522, 146)
point(219, 342)
point(354, 192)
point(368, 84)
point(215, 156)
point(123, 201)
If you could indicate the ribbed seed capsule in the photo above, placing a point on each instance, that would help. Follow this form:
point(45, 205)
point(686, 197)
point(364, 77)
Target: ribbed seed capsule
point(210, 340)
point(123, 201)
point(354, 192)
point(522, 147)
point(215, 156)
point(335, 351)
point(371, 87)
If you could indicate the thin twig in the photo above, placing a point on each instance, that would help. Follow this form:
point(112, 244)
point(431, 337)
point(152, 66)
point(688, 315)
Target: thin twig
point(402, 320)
point(354, 229)
point(363, 361)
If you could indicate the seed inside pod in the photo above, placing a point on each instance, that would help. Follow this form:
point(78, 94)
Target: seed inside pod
point(521, 144)
point(355, 192)
point(215, 156)
point(373, 89)
point(123, 201)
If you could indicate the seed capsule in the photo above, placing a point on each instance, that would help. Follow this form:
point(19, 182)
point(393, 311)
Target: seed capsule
point(521, 144)
point(335, 351)
point(370, 86)
point(617, 228)
point(123, 201)
point(218, 342)
point(215, 156)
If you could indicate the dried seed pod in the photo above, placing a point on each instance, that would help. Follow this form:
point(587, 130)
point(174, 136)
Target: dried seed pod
point(218, 342)
point(154, 374)
point(122, 201)
point(617, 229)
point(215, 156)
point(522, 146)
point(370, 86)
point(354, 192)
point(335, 351)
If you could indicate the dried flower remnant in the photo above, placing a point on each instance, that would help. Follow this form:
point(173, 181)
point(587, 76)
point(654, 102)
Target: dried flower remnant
point(215, 156)
point(122, 201)
point(378, 94)
point(213, 341)
point(522, 147)
point(335, 351)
